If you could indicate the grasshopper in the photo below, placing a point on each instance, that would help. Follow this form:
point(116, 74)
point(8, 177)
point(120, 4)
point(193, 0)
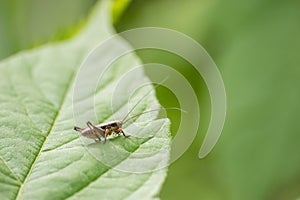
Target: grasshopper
point(105, 129)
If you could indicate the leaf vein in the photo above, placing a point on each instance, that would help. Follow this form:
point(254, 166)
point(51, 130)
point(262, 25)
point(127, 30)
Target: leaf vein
point(50, 130)
point(105, 171)
point(10, 170)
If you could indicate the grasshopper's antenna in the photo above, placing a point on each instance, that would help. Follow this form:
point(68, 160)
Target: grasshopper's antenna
point(152, 111)
point(144, 97)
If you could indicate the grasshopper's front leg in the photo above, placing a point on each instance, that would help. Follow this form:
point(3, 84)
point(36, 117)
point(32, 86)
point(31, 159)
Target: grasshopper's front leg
point(120, 130)
point(98, 132)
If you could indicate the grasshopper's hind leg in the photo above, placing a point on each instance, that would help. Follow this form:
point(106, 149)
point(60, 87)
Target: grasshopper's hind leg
point(98, 132)
point(97, 139)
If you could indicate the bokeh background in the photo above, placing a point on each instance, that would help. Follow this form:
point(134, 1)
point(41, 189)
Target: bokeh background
point(255, 44)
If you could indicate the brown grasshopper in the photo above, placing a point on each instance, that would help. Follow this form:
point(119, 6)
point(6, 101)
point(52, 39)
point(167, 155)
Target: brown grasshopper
point(106, 129)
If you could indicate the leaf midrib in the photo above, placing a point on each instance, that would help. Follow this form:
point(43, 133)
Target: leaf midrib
point(65, 94)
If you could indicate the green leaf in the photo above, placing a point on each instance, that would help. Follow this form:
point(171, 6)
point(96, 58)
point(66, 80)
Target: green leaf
point(41, 156)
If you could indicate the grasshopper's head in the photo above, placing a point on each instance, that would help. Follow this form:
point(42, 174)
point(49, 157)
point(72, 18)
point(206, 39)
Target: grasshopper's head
point(120, 123)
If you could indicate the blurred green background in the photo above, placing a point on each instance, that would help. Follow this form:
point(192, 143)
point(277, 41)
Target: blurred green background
point(30, 23)
point(256, 46)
